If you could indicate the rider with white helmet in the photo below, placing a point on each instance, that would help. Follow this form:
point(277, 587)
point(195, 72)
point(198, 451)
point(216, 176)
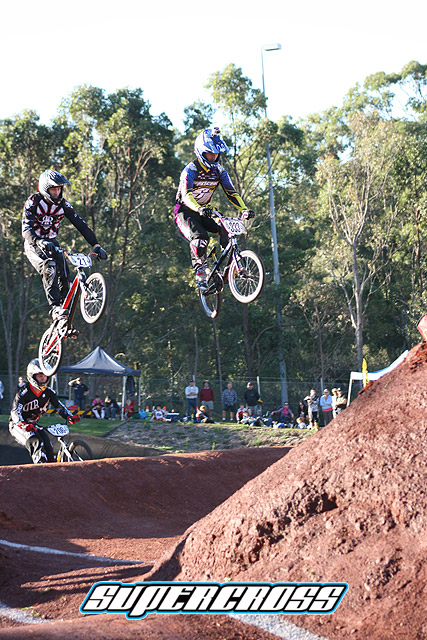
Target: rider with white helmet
point(43, 213)
point(198, 181)
point(32, 401)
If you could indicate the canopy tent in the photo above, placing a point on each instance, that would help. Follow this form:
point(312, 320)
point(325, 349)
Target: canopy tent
point(374, 375)
point(98, 362)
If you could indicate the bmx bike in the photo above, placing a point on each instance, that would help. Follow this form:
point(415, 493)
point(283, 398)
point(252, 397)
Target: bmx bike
point(92, 292)
point(74, 451)
point(243, 269)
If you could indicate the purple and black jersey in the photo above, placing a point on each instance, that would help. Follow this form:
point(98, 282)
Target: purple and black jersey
point(197, 186)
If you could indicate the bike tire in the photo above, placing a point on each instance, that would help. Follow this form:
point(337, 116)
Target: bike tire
point(211, 302)
point(246, 276)
point(50, 352)
point(93, 298)
point(80, 451)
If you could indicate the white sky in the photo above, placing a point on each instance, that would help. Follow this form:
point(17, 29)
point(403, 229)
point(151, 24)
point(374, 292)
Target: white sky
point(169, 49)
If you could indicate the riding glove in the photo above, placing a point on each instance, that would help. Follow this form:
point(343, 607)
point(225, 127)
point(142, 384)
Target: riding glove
point(73, 419)
point(101, 253)
point(46, 245)
point(206, 212)
point(247, 214)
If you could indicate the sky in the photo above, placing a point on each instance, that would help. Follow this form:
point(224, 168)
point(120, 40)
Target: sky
point(169, 49)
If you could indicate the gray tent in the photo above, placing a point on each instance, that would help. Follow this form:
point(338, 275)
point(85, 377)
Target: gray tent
point(100, 363)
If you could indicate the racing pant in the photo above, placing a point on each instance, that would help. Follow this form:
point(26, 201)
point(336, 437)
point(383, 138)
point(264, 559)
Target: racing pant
point(37, 443)
point(195, 228)
point(53, 270)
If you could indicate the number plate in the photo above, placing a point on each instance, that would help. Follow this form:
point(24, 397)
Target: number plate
point(80, 259)
point(234, 226)
point(58, 430)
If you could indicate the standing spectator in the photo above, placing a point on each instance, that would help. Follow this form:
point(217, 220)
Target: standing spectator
point(252, 398)
point(20, 385)
point(80, 391)
point(1, 395)
point(207, 397)
point(111, 407)
point(98, 408)
point(229, 401)
point(191, 393)
point(340, 401)
point(313, 408)
point(326, 407)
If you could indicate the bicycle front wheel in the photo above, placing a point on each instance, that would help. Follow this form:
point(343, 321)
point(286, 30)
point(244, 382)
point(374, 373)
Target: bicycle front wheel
point(94, 297)
point(50, 352)
point(80, 451)
point(246, 276)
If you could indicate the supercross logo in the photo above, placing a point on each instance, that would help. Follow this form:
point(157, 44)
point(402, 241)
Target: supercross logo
point(136, 600)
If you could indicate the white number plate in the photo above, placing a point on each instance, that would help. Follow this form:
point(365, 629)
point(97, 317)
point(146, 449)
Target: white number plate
point(234, 226)
point(80, 259)
point(58, 430)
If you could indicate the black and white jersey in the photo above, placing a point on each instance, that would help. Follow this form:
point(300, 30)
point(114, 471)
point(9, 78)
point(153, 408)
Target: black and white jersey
point(29, 404)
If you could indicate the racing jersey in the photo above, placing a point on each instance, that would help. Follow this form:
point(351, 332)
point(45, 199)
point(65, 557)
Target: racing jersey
point(28, 405)
point(197, 186)
point(41, 219)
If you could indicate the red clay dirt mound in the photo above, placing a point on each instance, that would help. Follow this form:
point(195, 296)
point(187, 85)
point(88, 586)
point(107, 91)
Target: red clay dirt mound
point(347, 505)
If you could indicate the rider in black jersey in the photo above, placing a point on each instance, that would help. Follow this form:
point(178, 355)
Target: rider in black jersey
point(32, 401)
point(43, 213)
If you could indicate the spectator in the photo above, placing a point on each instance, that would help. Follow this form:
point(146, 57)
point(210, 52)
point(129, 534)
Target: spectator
point(111, 407)
point(326, 407)
point(98, 408)
point(191, 393)
point(252, 398)
point(302, 410)
point(159, 415)
point(202, 415)
point(80, 391)
point(207, 397)
point(20, 385)
point(301, 423)
point(284, 414)
point(1, 395)
point(240, 413)
point(229, 400)
point(340, 401)
point(128, 408)
point(313, 408)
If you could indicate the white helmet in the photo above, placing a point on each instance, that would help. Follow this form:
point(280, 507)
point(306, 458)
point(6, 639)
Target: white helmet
point(32, 370)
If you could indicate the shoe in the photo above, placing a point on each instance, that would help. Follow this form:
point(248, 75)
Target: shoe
point(201, 277)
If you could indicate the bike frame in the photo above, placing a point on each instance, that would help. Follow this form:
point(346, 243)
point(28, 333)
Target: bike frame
point(228, 253)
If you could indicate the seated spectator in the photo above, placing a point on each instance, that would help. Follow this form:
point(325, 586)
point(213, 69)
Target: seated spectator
point(98, 408)
point(240, 412)
point(302, 409)
point(202, 415)
point(301, 423)
point(284, 415)
point(159, 415)
point(111, 408)
point(128, 408)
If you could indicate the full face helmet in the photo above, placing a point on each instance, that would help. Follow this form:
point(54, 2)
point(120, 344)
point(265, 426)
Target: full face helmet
point(48, 179)
point(32, 370)
point(209, 141)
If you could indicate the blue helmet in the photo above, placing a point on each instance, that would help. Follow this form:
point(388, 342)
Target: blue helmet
point(209, 141)
point(48, 179)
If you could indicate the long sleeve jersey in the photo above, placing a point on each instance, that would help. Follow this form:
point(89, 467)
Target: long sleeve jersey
point(197, 186)
point(41, 220)
point(28, 406)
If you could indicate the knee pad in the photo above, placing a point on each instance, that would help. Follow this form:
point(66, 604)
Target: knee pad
point(49, 269)
point(198, 246)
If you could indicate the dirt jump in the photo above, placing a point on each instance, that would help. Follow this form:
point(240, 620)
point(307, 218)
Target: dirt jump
point(348, 504)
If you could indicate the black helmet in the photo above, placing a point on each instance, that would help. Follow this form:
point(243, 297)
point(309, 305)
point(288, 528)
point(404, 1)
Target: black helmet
point(48, 179)
point(32, 370)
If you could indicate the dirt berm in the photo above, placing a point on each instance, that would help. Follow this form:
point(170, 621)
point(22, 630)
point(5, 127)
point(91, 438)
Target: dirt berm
point(347, 505)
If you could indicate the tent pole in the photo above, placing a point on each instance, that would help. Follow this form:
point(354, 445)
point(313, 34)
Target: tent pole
point(123, 396)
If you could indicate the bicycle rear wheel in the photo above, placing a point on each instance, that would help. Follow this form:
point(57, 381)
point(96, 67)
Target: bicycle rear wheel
point(50, 352)
point(80, 451)
point(211, 298)
point(94, 297)
point(246, 276)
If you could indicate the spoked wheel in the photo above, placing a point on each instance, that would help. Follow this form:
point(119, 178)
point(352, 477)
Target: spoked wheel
point(94, 297)
point(211, 298)
point(50, 352)
point(247, 277)
point(80, 451)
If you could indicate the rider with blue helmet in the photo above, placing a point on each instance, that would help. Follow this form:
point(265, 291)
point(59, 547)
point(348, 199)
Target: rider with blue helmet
point(197, 184)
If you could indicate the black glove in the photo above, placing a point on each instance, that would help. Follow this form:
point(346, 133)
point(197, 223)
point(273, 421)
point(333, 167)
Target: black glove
point(247, 214)
point(206, 212)
point(47, 246)
point(100, 252)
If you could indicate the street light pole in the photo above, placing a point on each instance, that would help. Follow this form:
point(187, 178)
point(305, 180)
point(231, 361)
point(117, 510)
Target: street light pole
point(279, 319)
